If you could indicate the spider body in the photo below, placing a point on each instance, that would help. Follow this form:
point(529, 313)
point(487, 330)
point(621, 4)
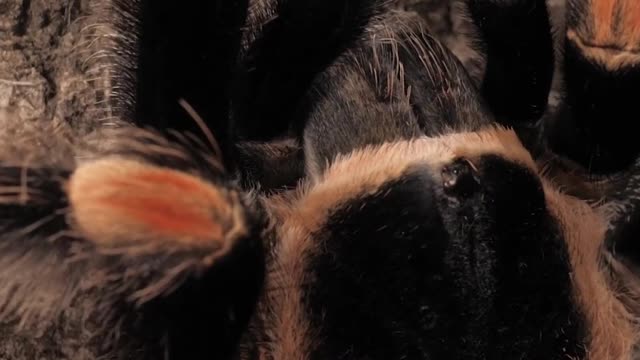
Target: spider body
point(371, 200)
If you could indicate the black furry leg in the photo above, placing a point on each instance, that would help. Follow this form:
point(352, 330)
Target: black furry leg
point(207, 315)
point(602, 76)
point(397, 82)
point(178, 50)
point(144, 280)
point(288, 52)
point(516, 38)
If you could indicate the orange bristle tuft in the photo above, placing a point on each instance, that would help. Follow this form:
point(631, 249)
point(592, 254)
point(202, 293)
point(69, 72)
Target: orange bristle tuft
point(121, 201)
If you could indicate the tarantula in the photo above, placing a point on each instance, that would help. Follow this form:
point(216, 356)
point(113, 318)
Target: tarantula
point(355, 193)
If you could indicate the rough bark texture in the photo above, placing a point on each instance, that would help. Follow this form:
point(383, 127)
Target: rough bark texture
point(48, 61)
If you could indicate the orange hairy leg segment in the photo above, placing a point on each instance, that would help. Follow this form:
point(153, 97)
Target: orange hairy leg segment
point(122, 201)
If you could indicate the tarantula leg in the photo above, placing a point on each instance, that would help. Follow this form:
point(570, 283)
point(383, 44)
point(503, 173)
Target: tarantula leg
point(516, 38)
point(289, 51)
point(193, 59)
point(598, 27)
point(119, 203)
point(177, 238)
point(138, 243)
point(602, 78)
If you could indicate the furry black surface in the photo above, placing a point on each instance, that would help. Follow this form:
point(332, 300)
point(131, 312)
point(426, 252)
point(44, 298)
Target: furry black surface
point(363, 196)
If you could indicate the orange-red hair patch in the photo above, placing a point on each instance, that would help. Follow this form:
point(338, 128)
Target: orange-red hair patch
point(118, 201)
point(616, 24)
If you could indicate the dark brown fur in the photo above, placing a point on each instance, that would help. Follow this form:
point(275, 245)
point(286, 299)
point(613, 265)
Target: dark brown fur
point(147, 245)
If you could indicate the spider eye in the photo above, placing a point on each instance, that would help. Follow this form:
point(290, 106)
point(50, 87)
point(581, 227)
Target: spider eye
point(459, 179)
